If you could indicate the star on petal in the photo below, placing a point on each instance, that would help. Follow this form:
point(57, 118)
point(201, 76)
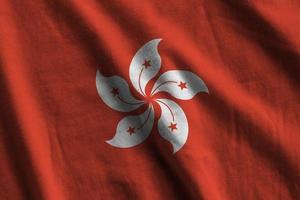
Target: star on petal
point(131, 130)
point(115, 91)
point(147, 63)
point(182, 85)
point(173, 126)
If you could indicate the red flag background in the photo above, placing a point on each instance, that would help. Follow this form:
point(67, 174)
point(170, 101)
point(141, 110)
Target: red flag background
point(243, 137)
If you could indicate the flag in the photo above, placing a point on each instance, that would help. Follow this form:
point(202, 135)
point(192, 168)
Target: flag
point(149, 99)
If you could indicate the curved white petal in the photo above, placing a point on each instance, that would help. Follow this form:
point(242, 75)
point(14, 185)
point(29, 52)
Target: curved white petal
point(133, 129)
point(114, 91)
point(173, 124)
point(144, 65)
point(180, 84)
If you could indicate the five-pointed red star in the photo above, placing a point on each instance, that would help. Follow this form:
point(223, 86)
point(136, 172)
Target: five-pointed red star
point(147, 63)
point(115, 91)
point(131, 130)
point(173, 126)
point(182, 85)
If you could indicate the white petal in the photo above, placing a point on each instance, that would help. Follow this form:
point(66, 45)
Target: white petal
point(180, 84)
point(173, 124)
point(141, 74)
point(133, 129)
point(122, 100)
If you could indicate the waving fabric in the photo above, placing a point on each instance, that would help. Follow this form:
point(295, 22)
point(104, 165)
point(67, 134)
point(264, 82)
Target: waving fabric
point(152, 99)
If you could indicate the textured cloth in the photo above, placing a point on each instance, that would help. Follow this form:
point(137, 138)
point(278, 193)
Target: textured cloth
point(244, 136)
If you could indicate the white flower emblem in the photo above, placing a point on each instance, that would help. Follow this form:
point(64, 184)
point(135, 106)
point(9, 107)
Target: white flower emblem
point(134, 129)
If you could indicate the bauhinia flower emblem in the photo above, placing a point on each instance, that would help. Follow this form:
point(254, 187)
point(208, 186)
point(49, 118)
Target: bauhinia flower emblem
point(134, 129)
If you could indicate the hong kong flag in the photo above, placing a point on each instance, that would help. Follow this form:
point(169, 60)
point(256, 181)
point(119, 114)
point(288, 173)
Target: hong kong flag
point(149, 100)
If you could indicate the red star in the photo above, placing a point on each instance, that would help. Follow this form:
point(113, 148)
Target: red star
point(115, 91)
point(131, 130)
point(147, 63)
point(173, 126)
point(182, 85)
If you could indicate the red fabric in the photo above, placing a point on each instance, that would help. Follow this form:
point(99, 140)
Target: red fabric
point(243, 137)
